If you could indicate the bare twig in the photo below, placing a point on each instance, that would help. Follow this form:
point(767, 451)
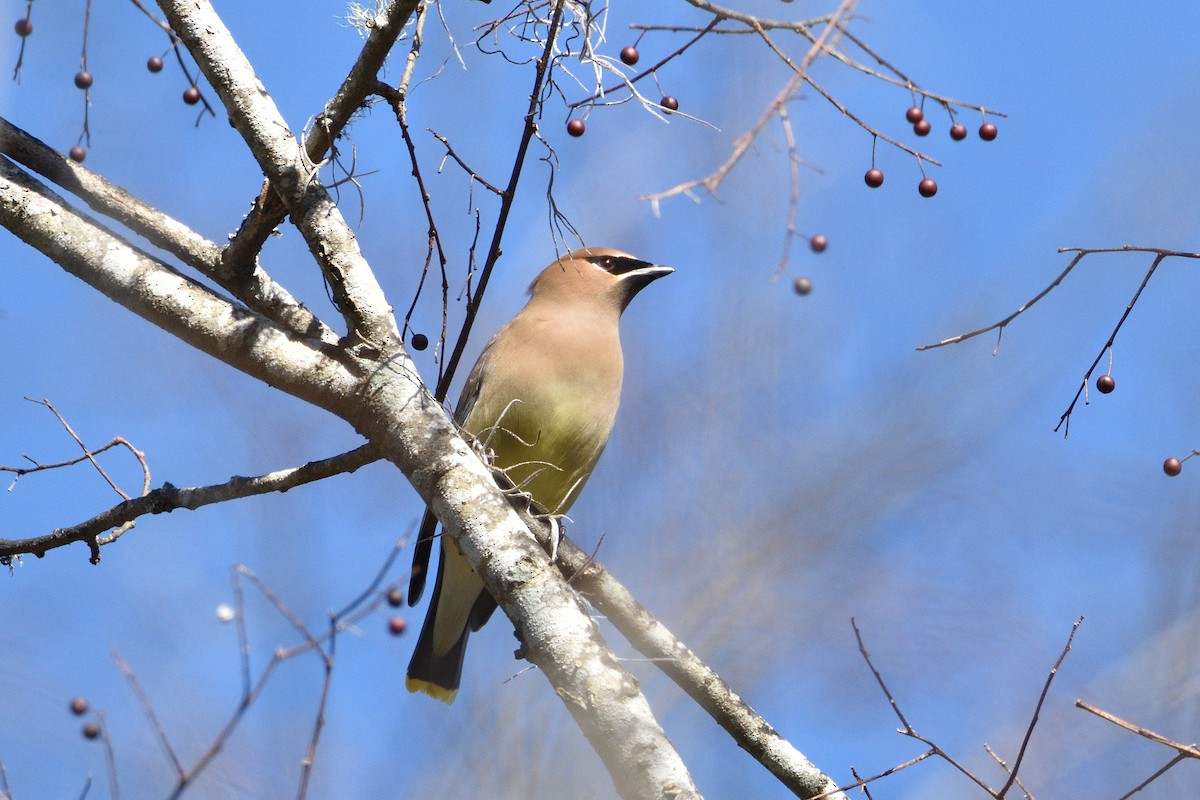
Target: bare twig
point(510, 191)
point(1037, 710)
point(360, 607)
point(168, 498)
point(1080, 252)
point(742, 144)
point(148, 709)
point(1183, 751)
point(910, 731)
point(862, 782)
point(88, 455)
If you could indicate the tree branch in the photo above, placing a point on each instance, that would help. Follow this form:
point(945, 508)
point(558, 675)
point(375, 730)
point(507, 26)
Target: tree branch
point(169, 498)
point(290, 171)
point(652, 639)
point(269, 210)
point(253, 287)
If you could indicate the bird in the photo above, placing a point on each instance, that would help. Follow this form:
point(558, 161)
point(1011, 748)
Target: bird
point(541, 401)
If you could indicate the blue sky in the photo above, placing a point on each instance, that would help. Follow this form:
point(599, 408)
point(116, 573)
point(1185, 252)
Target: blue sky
point(780, 465)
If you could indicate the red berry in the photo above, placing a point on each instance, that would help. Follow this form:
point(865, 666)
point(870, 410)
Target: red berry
point(1172, 466)
point(79, 706)
point(77, 154)
point(987, 131)
point(191, 95)
point(576, 127)
point(958, 131)
point(1106, 383)
point(91, 730)
point(914, 115)
point(420, 341)
point(874, 178)
point(154, 63)
point(802, 286)
point(818, 243)
point(83, 79)
point(23, 27)
point(630, 55)
point(395, 597)
point(397, 626)
point(669, 103)
point(927, 187)
point(922, 127)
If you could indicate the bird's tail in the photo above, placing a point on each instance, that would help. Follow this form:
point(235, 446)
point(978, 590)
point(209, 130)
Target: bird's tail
point(436, 675)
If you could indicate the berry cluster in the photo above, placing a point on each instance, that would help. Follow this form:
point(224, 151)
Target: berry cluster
point(84, 80)
point(629, 57)
point(921, 127)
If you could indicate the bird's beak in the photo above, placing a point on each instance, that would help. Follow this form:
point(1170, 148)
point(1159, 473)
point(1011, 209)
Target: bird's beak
point(644, 275)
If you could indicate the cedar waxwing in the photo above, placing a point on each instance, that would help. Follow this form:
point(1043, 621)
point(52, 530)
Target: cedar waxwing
point(542, 399)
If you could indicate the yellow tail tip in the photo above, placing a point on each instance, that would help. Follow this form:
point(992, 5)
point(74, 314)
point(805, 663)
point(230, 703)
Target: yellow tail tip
point(432, 689)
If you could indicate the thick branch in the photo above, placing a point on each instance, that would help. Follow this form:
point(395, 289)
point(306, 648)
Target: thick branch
point(269, 210)
point(254, 287)
point(356, 292)
point(652, 639)
point(161, 295)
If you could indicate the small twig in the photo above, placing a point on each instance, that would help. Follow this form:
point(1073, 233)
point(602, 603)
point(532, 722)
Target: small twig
point(1080, 253)
point(1187, 750)
point(908, 729)
point(1037, 710)
point(168, 498)
point(862, 782)
point(110, 757)
point(1066, 415)
point(1183, 751)
point(148, 709)
point(627, 83)
point(475, 176)
point(89, 455)
point(1004, 766)
point(510, 191)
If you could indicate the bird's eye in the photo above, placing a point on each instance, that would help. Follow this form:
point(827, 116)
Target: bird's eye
point(608, 263)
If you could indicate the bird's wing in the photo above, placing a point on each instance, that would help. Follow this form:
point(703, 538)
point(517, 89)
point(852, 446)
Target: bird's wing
point(423, 549)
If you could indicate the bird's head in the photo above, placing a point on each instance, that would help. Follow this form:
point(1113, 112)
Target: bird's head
point(596, 274)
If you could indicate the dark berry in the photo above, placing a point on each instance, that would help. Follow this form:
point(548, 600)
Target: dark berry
point(79, 706)
point(397, 626)
point(802, 286)
point(395, 597)
point(77, 154)
point(922, 127)
point(927, 187)
point(154, 63)
point(874, 178)
point(83, 79)
point(669, 103)
point(1106, 383)
point(958, 131)
point(818, 243)
point(576, 127)
point(987, 131)
point(630, 55)
point(914, 115)
point(23, 27)
point(1172, 466)
point(420, 341)
point(191, 95)
point(91, 730)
